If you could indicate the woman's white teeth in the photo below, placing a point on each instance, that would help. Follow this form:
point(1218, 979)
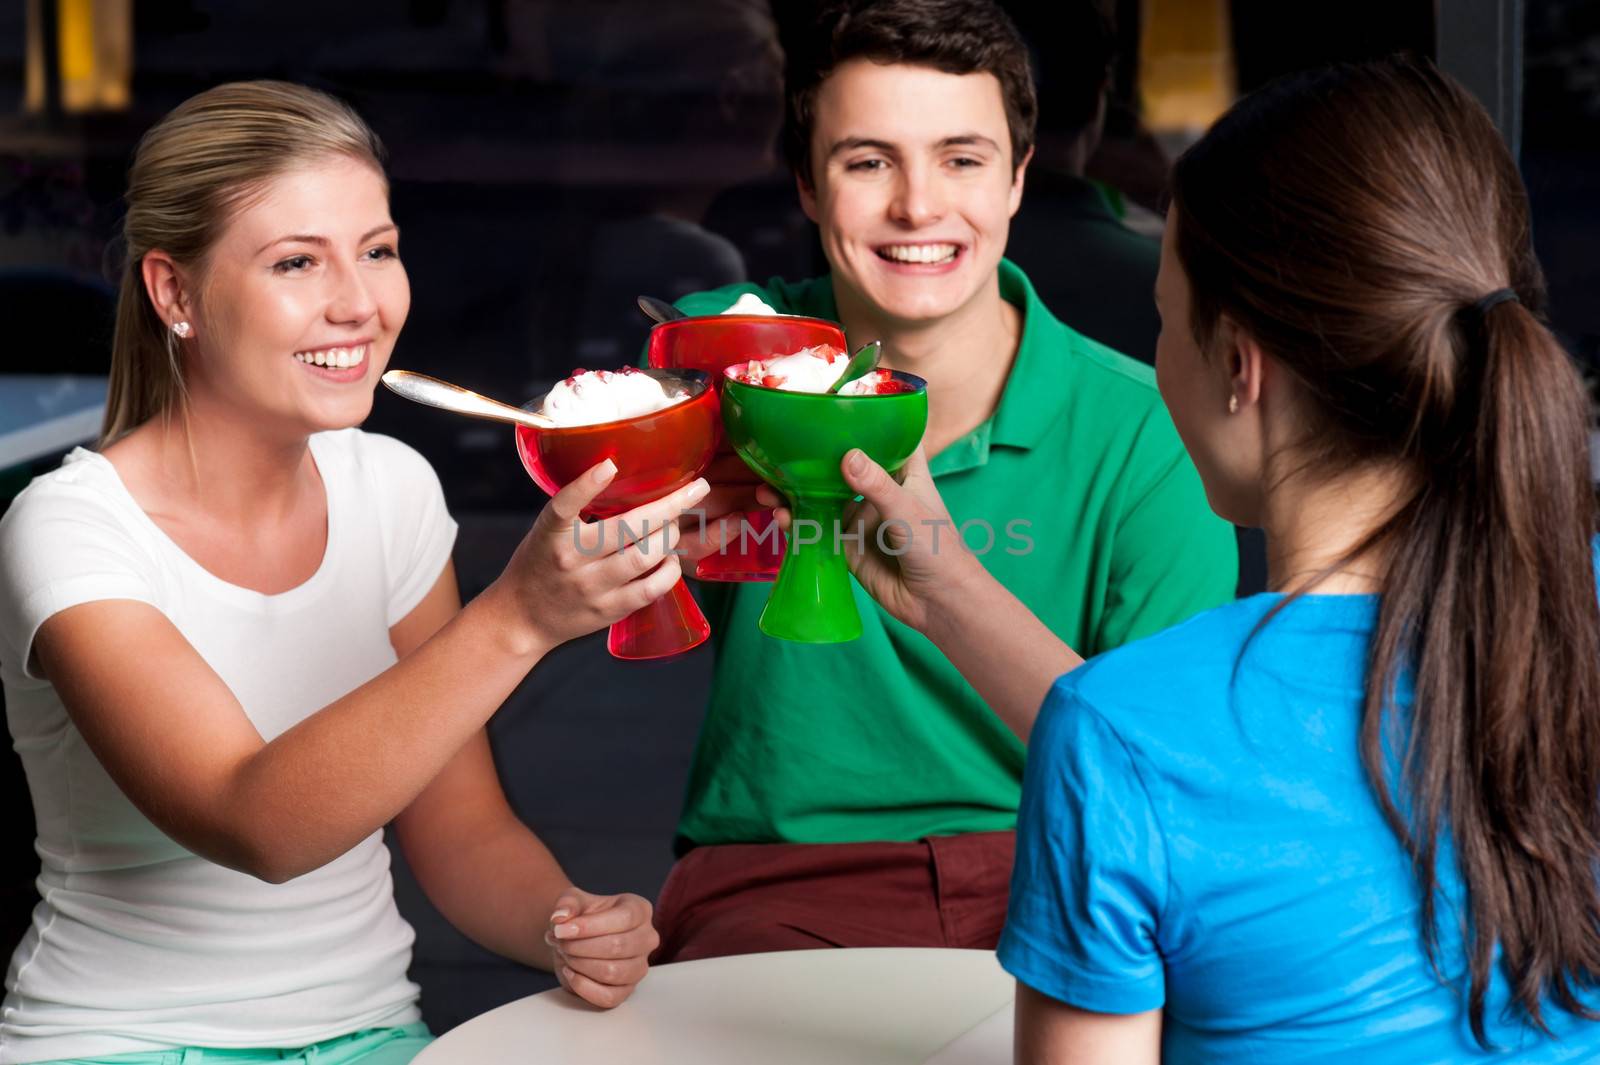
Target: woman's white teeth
point(918, 253)
point(337, 358)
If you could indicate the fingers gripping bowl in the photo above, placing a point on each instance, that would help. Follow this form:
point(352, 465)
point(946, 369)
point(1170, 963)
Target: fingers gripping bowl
point(656, 453)
point(712, 343)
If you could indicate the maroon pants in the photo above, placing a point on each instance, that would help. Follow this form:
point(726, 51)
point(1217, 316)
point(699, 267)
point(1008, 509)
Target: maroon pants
point(944, 891)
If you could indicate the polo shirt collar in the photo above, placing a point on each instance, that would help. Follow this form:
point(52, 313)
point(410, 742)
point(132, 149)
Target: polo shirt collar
point(1030, 399)
point(1032, 396)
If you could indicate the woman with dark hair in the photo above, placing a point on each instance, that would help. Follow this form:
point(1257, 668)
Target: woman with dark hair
point(1360, 812)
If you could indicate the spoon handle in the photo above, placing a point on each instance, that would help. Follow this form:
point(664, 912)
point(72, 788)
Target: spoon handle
point(433, 392)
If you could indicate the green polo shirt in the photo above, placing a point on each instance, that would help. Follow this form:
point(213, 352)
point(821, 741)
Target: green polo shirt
point(1100, 527)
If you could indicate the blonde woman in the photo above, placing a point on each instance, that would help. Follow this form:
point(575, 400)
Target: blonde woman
point(233, 648)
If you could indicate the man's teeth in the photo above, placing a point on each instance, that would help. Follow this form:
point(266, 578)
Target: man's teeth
point(918, 253)
point(337, 358)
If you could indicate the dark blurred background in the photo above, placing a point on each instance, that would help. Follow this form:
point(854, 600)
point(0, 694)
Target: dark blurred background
point(552, 159)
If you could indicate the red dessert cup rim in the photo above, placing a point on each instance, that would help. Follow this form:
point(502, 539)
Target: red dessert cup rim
point(747, 319)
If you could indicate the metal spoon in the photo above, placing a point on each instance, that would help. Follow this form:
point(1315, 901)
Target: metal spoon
point(446, 396)
point(659, 310)
point(861, 363)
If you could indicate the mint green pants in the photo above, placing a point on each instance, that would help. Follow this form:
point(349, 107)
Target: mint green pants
point(374, 1046)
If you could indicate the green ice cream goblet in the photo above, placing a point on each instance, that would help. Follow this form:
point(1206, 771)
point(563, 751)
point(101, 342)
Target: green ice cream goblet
point(795, 441)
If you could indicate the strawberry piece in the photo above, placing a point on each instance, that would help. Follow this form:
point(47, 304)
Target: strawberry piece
point(771, 381)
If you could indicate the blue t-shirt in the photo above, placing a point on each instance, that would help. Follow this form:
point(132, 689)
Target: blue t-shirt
point(1220, 854)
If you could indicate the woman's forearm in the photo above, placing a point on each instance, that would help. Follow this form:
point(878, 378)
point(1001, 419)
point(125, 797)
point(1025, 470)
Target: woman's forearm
point(1006, 653)
point(498, 887)
point(318, 789)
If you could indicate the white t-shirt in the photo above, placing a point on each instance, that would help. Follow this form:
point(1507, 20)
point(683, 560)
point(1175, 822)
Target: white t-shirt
point(139, 944)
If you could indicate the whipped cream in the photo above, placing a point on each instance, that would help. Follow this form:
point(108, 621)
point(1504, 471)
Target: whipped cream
point(813, 370)
point(807, 370)
point(589, 397)
point(876, 383)
point(750, 303)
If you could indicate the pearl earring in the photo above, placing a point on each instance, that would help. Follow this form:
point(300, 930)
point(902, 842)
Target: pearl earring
point(1233, 404)
point(183, 329)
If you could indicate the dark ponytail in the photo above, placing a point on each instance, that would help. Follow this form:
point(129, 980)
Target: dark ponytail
point(1377, 210)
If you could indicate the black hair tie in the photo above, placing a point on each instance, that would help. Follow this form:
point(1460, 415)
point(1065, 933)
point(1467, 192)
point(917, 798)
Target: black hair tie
point(1495, 299)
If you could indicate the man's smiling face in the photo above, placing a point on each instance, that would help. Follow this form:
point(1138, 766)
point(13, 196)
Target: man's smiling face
point(913, 186)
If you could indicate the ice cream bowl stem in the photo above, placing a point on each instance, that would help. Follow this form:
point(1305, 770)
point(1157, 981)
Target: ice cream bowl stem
point(655, 455)
point(795, 441)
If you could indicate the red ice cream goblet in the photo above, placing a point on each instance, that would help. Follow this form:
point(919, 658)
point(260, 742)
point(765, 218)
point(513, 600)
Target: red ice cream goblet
point(655, 455)
point(712, 343)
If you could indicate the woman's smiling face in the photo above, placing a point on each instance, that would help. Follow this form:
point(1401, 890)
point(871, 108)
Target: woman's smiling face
point(301, 300)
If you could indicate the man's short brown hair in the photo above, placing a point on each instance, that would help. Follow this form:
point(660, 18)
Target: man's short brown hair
point(955, 36)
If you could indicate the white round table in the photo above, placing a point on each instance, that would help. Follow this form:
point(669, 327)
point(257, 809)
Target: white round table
point(802, 1007)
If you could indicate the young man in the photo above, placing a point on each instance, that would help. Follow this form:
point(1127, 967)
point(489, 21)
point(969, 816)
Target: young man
point(862, 794)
